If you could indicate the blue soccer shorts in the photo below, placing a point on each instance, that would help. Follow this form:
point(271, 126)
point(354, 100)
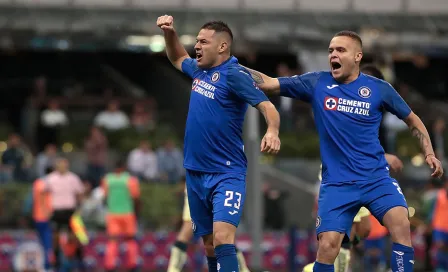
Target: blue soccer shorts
point(339, 202)
point(214, 198)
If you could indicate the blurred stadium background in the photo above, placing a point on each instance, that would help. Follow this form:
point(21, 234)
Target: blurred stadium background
point(69, 65)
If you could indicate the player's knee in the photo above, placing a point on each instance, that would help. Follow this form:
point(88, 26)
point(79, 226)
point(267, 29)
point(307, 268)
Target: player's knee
point(223, 233)
point(222, 237)
point(400, 231)
point(328, 248)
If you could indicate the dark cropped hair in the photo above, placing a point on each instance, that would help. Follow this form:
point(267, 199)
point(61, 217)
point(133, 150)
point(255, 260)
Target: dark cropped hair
point(218, 27)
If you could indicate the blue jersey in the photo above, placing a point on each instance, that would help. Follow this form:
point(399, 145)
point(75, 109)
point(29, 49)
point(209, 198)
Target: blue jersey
point(347, 118)
point(218, 102)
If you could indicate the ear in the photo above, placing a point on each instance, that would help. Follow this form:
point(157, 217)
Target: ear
point(358, 57)
point(223, 47)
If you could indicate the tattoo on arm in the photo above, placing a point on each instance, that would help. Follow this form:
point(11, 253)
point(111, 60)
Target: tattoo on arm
point(423, 139)
point(256, 76)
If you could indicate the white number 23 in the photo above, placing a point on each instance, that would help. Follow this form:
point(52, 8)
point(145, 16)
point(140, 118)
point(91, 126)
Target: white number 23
point(230, 196)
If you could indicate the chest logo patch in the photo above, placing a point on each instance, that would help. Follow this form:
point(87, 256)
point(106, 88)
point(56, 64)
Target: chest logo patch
point(215, 77)
point(364, 92)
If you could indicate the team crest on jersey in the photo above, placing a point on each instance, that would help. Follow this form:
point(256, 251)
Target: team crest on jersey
point(215, 76)
point(195, 83)
point(330, 103)
point(364, 92)
point(318, 220)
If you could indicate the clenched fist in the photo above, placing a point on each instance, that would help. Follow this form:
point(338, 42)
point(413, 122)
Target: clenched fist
point(270, 143)
point(166, 23)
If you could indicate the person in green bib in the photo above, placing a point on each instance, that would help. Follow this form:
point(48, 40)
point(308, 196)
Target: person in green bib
point(122, 193)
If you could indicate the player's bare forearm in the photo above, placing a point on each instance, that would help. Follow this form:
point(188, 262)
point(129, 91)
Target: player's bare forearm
point(175, 51)
point(269, 85)
point(271, 116)
point(419, 131)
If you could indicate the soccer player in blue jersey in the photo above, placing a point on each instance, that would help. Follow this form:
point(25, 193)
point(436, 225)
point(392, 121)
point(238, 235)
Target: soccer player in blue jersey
point(347, 107)
point(213, 148)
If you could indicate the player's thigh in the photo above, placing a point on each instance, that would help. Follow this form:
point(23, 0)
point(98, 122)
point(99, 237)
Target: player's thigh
point(380, 196)
point(228, 199)
point(337, 206)
point(199, 203)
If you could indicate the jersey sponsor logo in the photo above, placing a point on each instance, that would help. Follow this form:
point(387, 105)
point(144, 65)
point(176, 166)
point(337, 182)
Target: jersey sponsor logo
point(193, 226)
point(318, 221)
point(347, 105)
point(364, 92)
point(203, 88)
point(215, 77)
point(331, 103)
point(332, 86)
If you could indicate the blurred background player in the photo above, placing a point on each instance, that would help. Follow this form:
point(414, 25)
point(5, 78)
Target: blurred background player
point(42, 210)
point(179, 250)
point(66, 192)
point(122, 193)
point(215, 161)
point(439, 222)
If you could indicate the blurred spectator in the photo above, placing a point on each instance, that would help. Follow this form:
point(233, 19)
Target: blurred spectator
point(142, 162)
point(92, 210)
point(112, 118)
point(170, 161)
point(285, 102)
point(142, 119)
point(15, 160)
point(40, 87)
point(45, 159)
point(51, 121)
point(274, 213)
point(438, 130)
point(393, 125)
point(96, 147)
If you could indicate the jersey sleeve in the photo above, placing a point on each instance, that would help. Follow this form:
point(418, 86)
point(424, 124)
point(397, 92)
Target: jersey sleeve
point(393, 102)
point(242, 84)
point(301, 87)
point(189, 66)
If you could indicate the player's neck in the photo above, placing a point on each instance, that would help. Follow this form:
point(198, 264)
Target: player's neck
point(352, 77)
point(221, 59)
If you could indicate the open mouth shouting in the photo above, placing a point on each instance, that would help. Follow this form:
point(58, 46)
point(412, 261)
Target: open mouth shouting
point(198, 56)
point(335, 66)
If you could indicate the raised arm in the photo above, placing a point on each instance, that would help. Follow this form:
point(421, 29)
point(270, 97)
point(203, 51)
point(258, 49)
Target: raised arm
point(269, 85)
point(174, 49)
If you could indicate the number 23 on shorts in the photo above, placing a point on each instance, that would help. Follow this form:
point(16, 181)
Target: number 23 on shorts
point(233, 199)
